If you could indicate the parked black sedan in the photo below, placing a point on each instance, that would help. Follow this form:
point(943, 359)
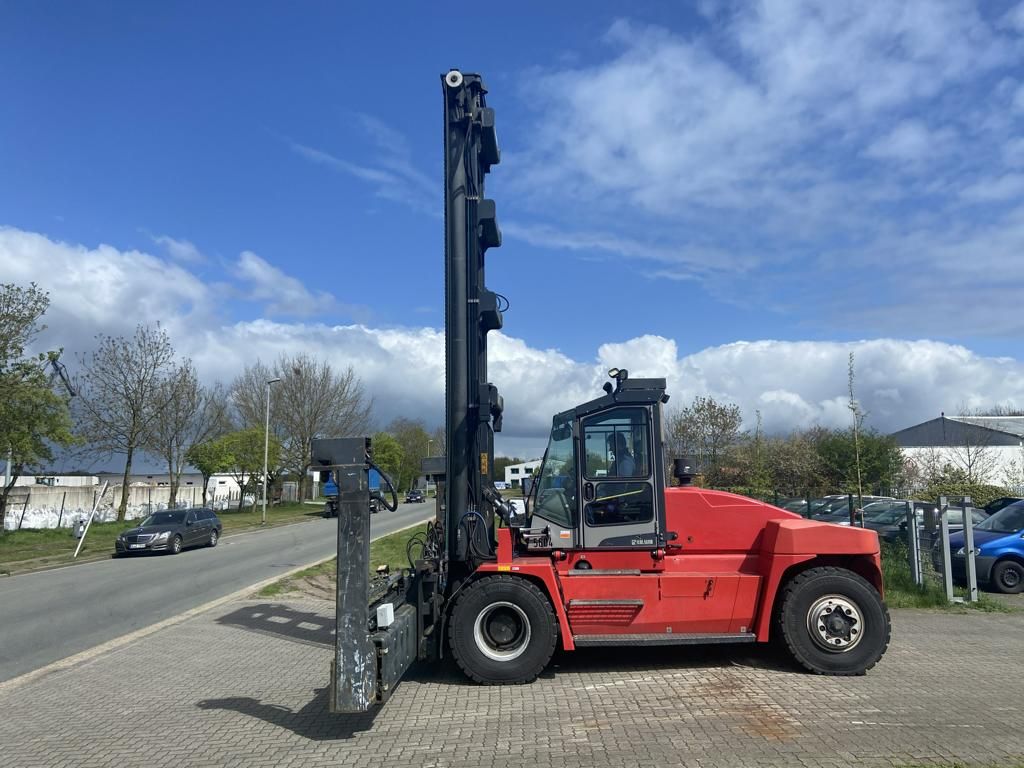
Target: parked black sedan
point(171, 531)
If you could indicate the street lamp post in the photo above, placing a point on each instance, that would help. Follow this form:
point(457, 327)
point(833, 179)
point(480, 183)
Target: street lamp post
point(266, 450)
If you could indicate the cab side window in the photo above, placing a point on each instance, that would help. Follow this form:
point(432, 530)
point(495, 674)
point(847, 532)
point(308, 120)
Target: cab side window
point(616, 444)
point(620, 504)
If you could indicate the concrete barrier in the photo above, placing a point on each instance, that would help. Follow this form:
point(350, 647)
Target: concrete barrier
point(43, 507)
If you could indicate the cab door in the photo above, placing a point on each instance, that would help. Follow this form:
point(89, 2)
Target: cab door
point(619, 498)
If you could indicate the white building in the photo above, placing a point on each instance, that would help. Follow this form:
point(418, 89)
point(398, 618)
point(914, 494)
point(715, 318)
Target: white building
point(514, 473)
point(62, 481)
point(989, 449)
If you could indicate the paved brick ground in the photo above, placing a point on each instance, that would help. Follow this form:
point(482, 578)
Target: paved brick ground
point(244, 686)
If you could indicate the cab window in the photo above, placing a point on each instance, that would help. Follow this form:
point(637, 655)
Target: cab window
point(616, 444)
point(620, 504)
point(555, 488)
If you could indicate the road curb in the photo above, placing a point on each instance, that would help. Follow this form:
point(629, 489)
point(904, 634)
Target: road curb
point(138, 634)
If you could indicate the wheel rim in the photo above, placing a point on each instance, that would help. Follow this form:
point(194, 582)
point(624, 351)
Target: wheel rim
point(176, 545)
point(1010, 577)
point(213, 538)
point(835, 623)
point(502, 631)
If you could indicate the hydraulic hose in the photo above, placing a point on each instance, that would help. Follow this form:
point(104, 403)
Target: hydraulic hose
point(391, 488)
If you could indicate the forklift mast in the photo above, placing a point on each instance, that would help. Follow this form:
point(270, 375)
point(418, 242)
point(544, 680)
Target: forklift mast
point(473, 407)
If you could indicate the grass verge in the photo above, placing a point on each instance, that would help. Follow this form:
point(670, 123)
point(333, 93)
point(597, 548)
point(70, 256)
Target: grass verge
point(902, 592)
point(28, 550)
point(318, 580)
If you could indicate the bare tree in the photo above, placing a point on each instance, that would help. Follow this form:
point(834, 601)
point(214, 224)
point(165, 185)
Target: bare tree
point(248, 396)
point(973, 452)
point(123, 392)
point(193, 415)
point(311, 400)
point(858, 422)
point(437, 445)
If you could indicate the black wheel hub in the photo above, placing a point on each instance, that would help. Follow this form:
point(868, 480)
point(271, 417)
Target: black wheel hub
point(504, 628)
point(1011, 578)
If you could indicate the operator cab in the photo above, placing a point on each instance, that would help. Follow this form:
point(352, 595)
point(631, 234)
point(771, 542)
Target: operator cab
point(602, 481)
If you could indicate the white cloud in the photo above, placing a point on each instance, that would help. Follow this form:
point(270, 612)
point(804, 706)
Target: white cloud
point(103, 290)
point(822, 147)
point(280, 293)
point(390, 170)
point(793, 384)
point(180, 250)
point(738, 117)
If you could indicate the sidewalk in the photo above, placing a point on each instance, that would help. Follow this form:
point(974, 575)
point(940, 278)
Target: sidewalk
point(244, 685)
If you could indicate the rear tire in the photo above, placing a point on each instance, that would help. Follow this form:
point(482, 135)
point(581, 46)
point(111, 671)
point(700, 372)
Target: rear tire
point(833, 622)
point(502, 630)
point(1008, 577)
point(214, 538)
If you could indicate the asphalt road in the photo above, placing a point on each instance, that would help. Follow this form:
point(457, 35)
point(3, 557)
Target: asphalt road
point(48, 615)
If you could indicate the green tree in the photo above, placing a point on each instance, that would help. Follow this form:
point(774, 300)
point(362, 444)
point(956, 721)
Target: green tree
point(209, 457)
point(33, 417)
point(412, 435)
point(387, 454)
point(244, 454)
point(880, 459)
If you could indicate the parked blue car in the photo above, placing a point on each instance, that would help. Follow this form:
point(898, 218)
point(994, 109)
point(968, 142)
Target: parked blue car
point(999, 542)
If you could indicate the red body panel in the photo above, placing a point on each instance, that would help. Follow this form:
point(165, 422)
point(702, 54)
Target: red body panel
point(721, 576)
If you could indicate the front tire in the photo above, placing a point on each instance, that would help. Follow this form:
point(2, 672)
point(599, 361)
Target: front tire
point(833, 622)
point(175, 546)
point(1008, 577)
point(502, 630)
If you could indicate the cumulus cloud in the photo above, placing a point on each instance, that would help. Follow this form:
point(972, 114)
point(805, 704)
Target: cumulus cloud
point(792, 383)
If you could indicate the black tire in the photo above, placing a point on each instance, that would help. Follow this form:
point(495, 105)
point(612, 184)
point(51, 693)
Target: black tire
point(857, 631)
point(214, 538)
point(502, 630)
point(175, 546)
point(1008, 577)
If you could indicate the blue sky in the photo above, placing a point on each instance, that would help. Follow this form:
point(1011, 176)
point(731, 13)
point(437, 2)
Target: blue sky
point(733, 196)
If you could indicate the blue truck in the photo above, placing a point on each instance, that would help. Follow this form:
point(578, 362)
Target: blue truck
point(331, 493)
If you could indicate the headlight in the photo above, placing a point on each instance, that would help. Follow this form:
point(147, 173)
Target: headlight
point(164, 536)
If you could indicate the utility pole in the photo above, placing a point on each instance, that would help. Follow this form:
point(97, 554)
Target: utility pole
point(266, 450)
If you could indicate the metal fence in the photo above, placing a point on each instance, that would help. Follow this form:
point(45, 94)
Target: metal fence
point(933, 564)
